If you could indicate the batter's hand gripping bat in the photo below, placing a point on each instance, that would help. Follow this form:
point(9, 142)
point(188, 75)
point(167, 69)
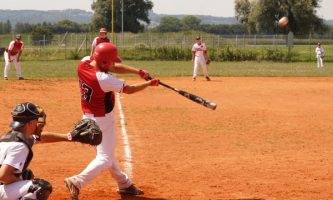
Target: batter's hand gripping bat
point(191, 97)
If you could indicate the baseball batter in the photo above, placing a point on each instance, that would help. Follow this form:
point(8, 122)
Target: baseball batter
point(16, 180)
point(199, 56)
point(13, 54)
point(103, 37)
point(98, 88)
point(319, 55)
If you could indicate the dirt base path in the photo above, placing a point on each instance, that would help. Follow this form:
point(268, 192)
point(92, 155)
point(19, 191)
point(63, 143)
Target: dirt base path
point(270, 138)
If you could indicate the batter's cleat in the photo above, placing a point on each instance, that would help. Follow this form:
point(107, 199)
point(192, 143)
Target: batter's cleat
point(207, 78)
point(131, 190)
point(5, 78)
point(20, 78)
point(193, 79)
point(73, 190)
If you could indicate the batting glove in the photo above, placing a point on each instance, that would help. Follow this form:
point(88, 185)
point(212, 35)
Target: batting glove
point(154, 82)
point(144, 74)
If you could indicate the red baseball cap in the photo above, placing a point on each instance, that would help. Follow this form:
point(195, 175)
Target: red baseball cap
point(198, 38)
point(103, 30)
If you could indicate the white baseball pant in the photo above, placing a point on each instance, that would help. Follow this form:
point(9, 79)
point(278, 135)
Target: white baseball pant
point(202, 61)
point(16, 190)
point(105, 158)
point(320, 61)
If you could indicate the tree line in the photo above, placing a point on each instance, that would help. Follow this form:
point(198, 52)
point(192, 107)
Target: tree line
point(255, 17)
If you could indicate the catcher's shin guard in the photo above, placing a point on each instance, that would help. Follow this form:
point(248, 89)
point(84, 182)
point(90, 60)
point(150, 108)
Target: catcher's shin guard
point(41, 188)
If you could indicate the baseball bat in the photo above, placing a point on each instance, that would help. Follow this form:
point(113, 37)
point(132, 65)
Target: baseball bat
point(192, 97)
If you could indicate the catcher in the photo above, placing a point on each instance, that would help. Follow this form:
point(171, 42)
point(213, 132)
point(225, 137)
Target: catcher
point(16, 180)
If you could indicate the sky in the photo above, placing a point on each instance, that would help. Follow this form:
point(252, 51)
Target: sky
point(219, 8)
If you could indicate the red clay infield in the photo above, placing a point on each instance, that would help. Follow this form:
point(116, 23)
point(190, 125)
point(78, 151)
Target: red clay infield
point(269, 138)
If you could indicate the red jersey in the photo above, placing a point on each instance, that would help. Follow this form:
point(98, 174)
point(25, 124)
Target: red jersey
point(99, 40)
point(15, 47)
point(97, 89)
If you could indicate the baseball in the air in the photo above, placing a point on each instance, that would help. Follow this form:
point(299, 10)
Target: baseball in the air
point(283, 21)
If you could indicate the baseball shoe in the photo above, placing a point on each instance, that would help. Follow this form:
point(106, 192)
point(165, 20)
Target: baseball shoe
point(193, 79)
point(20, 78)
point(131, 190)
point(73, 190)
point(207, 78)
point(5, 78)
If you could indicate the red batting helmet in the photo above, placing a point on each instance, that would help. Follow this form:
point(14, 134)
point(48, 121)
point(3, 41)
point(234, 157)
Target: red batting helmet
point(105, 53)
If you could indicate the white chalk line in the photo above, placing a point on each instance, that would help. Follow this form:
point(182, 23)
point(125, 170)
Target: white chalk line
point(124, 137)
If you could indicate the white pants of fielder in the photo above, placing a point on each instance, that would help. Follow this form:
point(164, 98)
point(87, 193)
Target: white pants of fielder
point(200, 61)
point(320, 61)
point(16, 190)
point(105, 158)
point(7, 65)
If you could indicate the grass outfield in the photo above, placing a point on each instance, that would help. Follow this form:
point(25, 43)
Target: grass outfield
point(67, 69)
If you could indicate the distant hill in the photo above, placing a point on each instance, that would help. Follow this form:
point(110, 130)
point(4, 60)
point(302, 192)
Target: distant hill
point(51, 16)
point(205, 19)
point(329, 22)
point(82, 16)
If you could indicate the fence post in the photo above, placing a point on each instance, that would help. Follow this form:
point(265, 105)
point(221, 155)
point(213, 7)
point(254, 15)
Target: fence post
point(309, 46)
point(86, 38)
point(65, 47)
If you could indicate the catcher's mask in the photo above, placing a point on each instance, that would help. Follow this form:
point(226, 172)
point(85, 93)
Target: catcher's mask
point(23, 113)
point(106, 53)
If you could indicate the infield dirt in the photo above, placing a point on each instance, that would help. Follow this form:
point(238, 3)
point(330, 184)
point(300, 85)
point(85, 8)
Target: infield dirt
point(269, 138)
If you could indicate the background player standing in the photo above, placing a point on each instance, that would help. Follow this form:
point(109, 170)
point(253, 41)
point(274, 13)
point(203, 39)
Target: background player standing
point(13, 53)
point(319, 55)
point(103, 37)
point(98, 88)
point(199, 56)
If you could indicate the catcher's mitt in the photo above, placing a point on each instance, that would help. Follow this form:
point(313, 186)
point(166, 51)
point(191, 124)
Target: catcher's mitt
point(86, 131)
point(208, 61)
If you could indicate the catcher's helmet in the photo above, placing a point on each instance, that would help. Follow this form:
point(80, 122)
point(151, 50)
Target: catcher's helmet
point(23, 113)
point(105, 53)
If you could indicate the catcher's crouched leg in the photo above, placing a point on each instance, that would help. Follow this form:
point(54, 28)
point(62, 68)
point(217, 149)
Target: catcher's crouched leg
point(41, 188)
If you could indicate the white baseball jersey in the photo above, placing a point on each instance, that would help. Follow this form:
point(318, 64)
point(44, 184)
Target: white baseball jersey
point(319, 51)
point(199, 49)
point(13, 154)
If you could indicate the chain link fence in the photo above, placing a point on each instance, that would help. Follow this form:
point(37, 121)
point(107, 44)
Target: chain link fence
point(73, 45)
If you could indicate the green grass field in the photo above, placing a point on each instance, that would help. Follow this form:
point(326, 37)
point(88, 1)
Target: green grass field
point(67, 69)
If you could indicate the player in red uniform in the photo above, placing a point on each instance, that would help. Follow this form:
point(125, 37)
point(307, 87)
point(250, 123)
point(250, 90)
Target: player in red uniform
point(103, 37)
point(13, 54)
point(97, 87)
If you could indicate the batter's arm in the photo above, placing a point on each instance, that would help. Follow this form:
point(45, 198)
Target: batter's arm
point(130, 89)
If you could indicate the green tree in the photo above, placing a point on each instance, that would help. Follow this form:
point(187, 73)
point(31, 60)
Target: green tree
point(169, 24)
point(190, 23)
point(23, 28)
point(136, 14)
point(41, 31)
point(261, 16)
point(5, 27)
